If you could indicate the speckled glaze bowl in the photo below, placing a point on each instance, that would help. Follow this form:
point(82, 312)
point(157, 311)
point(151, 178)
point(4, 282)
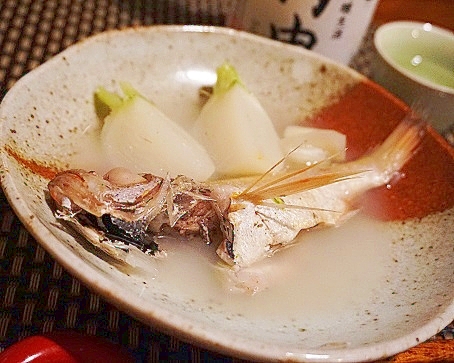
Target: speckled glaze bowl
point(50, 111)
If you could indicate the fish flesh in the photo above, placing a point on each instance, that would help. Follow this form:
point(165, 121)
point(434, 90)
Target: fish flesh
point(249, 218)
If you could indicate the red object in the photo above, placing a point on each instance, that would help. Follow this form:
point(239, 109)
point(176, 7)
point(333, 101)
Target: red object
point(65, 347)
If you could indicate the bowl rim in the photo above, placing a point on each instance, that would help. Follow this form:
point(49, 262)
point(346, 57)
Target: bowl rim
point(409, 25)
point(161, 318)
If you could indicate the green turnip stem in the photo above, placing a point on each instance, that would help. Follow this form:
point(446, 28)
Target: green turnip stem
point(227, 77)
point(113, 100)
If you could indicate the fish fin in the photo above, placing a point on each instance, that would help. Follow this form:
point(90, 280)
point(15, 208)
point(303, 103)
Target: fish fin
point(255, 186)
point(399, 146)
point(287, 185)
point(269, 171)
point(93, 241)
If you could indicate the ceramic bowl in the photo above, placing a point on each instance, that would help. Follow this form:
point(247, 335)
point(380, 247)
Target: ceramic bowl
point(416, 62)
point(366, 290)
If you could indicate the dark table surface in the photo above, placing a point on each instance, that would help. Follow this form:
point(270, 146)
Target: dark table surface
point(36, 294)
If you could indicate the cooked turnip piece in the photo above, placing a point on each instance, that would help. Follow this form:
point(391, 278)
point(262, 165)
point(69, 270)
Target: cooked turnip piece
point(137, 135)
point(236, 129)
point(308, 145)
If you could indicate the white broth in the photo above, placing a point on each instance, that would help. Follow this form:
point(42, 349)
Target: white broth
point(326, 272)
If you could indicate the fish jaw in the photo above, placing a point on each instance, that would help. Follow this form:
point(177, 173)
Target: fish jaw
point(75, 190)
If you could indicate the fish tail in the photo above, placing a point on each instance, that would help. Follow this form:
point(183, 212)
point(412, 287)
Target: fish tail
point(399, 146)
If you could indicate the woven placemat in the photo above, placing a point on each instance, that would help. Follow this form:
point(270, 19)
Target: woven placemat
point(36, 294)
